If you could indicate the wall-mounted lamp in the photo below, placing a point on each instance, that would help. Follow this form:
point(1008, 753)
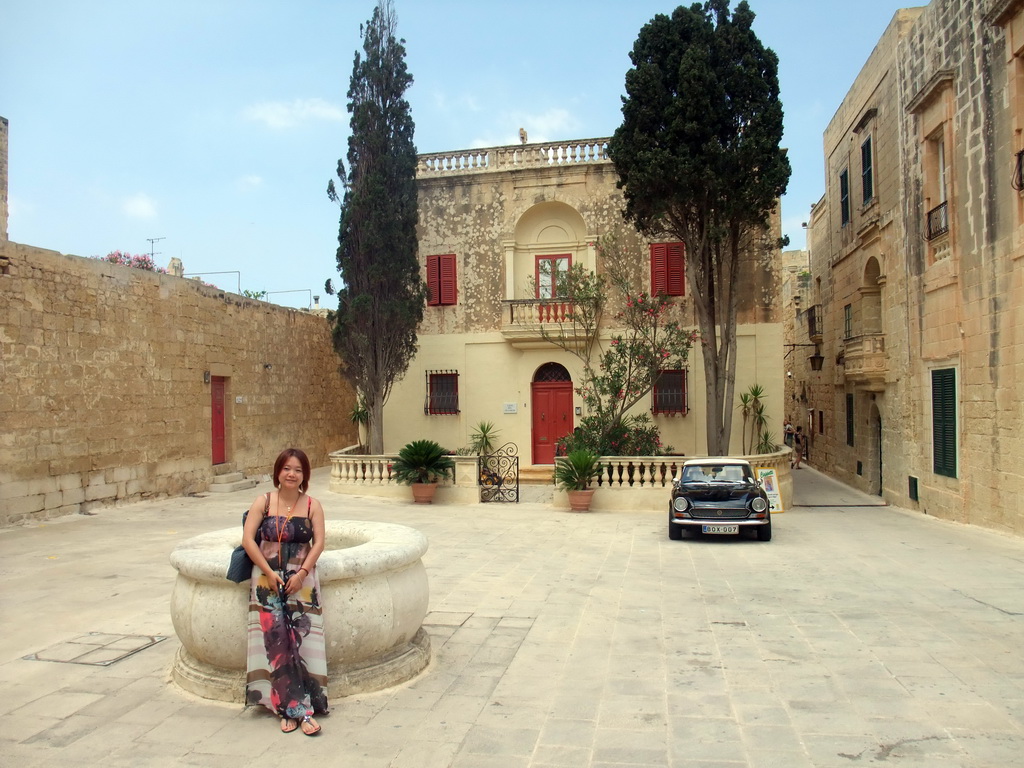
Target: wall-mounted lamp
point(816, 361)
point(206, 377)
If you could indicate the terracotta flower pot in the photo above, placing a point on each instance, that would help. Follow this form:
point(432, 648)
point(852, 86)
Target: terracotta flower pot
point(423, 493)
point(579, 501)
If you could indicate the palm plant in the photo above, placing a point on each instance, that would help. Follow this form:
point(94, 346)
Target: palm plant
point(576, 470)
point(483, 438)
point(422, 461)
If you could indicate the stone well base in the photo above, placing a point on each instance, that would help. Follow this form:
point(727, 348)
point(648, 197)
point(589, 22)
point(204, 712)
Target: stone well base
point(374, 594)
point(220, 684)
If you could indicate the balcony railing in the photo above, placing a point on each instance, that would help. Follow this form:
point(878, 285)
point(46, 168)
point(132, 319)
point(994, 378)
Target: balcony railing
point(559, 153)
point(865, 360)
point(530, 322)
point(938, 221)
point(814, 322)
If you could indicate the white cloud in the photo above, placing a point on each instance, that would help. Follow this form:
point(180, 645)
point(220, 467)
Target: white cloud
point(279, 114)
point(140, 206)
point(251, 181)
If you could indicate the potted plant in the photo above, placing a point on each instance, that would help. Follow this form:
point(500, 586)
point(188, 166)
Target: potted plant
point(420, 464)
point(574, 473)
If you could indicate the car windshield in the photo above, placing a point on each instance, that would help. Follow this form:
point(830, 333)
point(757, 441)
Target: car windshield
point(715, 473)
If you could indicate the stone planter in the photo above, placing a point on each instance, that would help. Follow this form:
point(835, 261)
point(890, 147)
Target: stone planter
point(579, 501)
point(374, 593)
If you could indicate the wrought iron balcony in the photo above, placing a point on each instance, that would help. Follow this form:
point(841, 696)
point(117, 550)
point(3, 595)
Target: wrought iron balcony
point(938, 221)
point(866, 361)
point(532, 323)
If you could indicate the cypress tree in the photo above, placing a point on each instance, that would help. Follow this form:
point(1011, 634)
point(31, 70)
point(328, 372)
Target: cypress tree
point(382, 295)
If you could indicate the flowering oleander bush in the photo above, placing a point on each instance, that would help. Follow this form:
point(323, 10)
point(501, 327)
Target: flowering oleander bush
point(618, 376)
point(140, 261)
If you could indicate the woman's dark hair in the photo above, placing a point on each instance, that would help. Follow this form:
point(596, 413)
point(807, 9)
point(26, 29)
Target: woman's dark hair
point(286, 454)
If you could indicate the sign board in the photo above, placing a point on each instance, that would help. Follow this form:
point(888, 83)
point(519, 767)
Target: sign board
point(771, 486)
point(511, 408)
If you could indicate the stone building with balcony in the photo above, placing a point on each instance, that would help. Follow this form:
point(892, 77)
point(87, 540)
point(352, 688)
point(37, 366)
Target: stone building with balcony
point(497, 228)
point(916, 256)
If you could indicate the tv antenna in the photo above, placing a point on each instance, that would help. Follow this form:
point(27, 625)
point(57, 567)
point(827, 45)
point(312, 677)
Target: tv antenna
point(152, 242)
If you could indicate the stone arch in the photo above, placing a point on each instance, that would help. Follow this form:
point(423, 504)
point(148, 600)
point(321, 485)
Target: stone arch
point(550, 228)
point(871, 297)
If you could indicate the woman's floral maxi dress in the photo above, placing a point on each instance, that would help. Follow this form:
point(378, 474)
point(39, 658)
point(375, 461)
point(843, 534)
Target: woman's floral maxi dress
point(287, 665)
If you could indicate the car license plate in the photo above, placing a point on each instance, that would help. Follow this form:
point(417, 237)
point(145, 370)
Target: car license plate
point(720, 529)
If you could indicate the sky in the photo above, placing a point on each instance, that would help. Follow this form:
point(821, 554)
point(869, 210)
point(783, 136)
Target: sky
point(208, 129)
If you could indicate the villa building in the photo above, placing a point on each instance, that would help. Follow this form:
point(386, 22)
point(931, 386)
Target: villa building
point(497, 229)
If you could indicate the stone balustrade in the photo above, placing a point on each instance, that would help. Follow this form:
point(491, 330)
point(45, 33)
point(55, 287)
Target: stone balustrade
point(865, 360)
point(460, 162)
point(626, 482)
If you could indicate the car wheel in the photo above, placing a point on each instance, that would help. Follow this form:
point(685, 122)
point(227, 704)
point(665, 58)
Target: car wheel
point(764, 533)
point(675, 531)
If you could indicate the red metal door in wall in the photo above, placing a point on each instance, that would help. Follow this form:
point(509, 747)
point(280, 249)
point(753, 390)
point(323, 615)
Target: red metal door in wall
point(217, 418)
point(552, 417)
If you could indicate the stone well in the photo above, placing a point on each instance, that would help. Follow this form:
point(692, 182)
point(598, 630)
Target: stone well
point(374, 594)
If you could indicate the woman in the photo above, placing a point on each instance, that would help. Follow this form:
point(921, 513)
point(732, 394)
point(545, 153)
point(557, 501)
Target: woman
point(798, 447)
point(287, 664)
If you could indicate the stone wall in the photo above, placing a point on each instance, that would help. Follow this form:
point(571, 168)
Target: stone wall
point(106, 384)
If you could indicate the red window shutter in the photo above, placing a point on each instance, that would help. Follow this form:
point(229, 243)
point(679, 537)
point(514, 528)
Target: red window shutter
point(667, 274)
point(441, 282)
point(659, 268)
point(433, 281)
point(676, 275)
point(447, 279)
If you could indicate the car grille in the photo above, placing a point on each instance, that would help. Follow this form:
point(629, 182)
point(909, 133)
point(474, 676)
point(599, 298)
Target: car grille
point(714, 512)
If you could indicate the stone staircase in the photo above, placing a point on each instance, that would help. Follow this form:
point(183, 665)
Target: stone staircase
point(536, 484)
point(227, 480)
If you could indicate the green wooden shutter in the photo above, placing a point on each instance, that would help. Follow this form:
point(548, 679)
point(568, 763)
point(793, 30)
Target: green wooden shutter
point(944, 421)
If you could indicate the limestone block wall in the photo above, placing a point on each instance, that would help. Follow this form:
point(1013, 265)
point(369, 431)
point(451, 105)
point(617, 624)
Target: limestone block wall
point(106, 384)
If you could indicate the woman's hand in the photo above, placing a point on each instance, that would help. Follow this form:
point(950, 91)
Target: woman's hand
point(294, 582)
point(276, 582)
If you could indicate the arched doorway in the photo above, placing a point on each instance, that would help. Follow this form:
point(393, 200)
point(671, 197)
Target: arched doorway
point(551, 395)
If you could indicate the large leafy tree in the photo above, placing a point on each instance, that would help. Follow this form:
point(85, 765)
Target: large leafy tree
point(699, 160)
point(380, 302)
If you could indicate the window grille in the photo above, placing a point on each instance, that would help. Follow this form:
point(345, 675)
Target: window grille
point(848, 321)
point(670, 392)
point(442, 393)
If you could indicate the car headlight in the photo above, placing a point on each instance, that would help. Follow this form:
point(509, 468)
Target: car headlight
point(680, 503)
point(759, 504)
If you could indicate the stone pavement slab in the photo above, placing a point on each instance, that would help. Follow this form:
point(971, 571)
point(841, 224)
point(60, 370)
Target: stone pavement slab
point(861, 635)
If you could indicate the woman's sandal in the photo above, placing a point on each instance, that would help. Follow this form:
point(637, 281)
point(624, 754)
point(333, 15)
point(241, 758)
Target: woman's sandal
point(312, 724)
point(288, 725)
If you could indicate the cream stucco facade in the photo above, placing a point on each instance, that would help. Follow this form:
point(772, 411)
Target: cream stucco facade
point(916, 254)
point(494, 214)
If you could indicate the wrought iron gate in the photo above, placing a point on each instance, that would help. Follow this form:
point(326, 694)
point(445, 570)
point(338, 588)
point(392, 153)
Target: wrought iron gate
point(499, 474)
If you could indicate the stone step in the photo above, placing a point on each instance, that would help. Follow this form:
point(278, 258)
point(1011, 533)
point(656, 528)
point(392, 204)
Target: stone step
point(229, 477)
point(538, 474)
point(237, 485)
point(223, 469)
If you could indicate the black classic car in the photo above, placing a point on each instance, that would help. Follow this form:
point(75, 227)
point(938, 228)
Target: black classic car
point(718, 496)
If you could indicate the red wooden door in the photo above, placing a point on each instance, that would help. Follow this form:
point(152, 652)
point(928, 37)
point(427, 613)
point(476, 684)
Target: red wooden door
point(217, 420)
point(552, 418)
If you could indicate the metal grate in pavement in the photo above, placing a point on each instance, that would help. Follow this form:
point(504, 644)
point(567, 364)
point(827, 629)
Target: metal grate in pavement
point(98, 649)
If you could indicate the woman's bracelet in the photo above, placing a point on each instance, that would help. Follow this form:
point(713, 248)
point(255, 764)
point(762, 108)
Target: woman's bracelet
point(303, 568)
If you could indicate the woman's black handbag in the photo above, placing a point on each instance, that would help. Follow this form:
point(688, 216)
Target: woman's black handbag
point(240, 567)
